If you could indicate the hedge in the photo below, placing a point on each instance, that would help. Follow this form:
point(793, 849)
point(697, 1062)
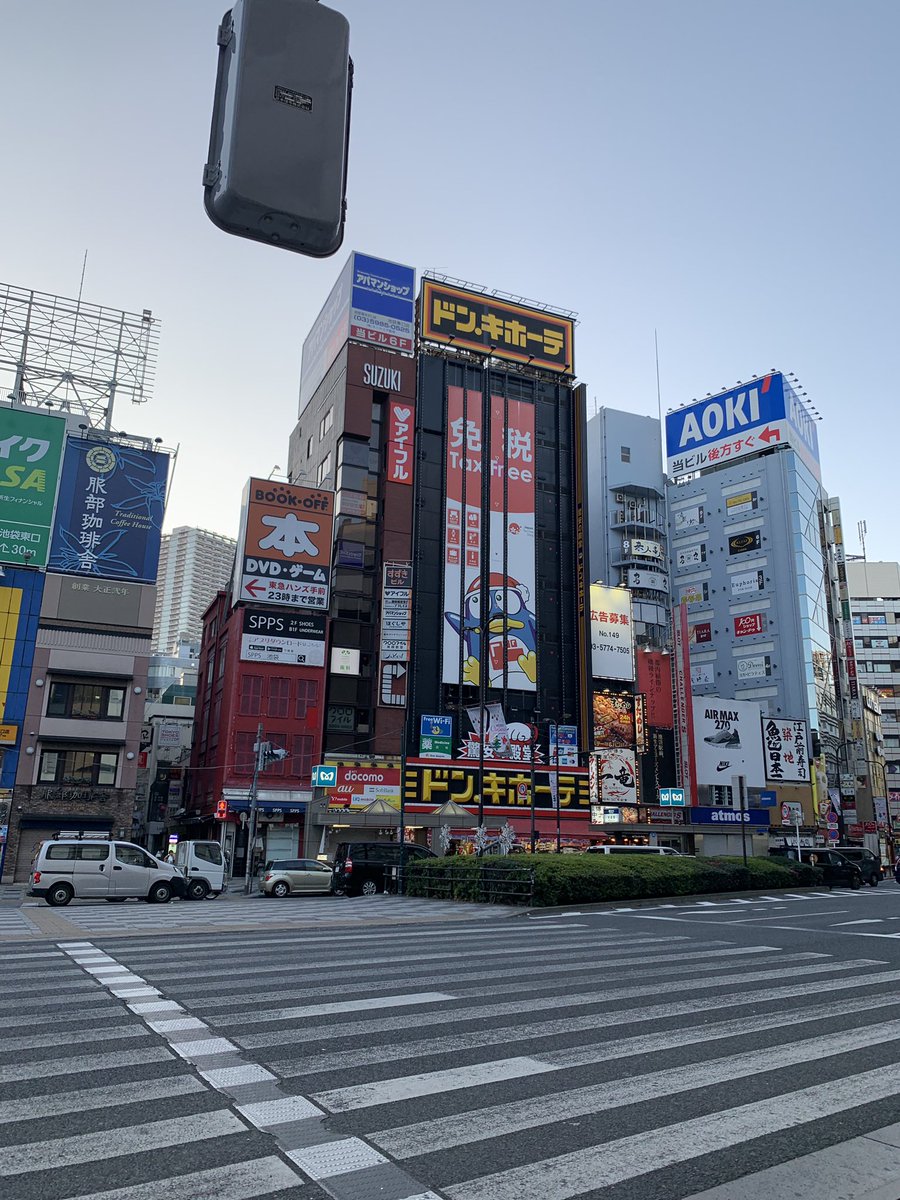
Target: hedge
point(588, 878)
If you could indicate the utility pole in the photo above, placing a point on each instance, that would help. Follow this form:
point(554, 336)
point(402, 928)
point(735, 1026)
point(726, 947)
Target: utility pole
point(263, 754)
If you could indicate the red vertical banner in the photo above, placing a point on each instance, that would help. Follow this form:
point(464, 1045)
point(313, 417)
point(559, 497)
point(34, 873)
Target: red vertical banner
point(684, 703)
point(400, 442)
point(654, 680)
point(462, 537)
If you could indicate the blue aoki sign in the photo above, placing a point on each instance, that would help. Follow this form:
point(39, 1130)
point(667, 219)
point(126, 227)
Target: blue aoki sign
point(110, 511)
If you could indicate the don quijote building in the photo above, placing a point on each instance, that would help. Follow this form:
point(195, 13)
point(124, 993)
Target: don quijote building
point(458, 632)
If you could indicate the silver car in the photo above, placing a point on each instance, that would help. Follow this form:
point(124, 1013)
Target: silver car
point(295, 876)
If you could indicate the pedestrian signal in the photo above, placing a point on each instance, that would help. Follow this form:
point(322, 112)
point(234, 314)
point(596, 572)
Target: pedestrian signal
point(221, 810)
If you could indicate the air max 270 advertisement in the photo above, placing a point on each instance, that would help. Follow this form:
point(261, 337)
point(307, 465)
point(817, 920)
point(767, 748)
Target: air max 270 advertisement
point(728, 741)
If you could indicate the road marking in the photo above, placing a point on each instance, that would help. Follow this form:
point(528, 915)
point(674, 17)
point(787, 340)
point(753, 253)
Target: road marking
point(429, 1083)
point(335, 1158)
point(105, 1033)
point(499, 1120)
point(117, 1143)
point(266, 1113)
point(345, 1006)
point(854, 1168)
point(247, 1180)
point(224, 1077)
point(204, 1047)
point(88, 1063)
point(864, 921)
point(55, 1104)
point(609, 1163)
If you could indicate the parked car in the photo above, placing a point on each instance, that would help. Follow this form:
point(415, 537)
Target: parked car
point(868, 862)
point(203, 866)
point(633, 850)
point(77, 866)
point(365, 868)
point(836, 870)
point(295, 876)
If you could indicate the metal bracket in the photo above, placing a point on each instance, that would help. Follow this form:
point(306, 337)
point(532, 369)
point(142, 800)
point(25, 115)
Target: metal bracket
point(225, 32)
point(211, 174)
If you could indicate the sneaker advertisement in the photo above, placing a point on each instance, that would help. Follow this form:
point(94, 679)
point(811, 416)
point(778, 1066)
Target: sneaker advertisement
point(728, 741)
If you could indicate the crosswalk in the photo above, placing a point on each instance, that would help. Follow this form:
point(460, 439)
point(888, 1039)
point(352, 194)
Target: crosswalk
point(98, 917)
point(484, 1060)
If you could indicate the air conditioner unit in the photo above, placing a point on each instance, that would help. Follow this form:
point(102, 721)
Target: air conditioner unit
point(620, 497)
point(620, 515)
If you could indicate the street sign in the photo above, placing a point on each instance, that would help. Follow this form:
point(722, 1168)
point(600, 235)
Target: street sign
point(792, 814)
point(833, 833)
point(672, 797)
point(767, 799)
point(324, 777)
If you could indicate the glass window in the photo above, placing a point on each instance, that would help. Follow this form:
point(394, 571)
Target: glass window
point(92, 853)
point(132, 855)
point(209, 852)
point(67, 852)
point(324, 469)
point(626, 453)
point(85, 768)
point(85, 701)
point(302, 756)
point(243, 753)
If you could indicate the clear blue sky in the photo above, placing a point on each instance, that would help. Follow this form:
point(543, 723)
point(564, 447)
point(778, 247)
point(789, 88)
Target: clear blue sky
point(724, 172)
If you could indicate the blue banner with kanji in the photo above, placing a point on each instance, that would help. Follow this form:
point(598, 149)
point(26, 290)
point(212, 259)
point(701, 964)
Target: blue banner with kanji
point(110, 511)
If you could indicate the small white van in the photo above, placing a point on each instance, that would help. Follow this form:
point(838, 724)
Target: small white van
point(203, 866)
point(87, 866)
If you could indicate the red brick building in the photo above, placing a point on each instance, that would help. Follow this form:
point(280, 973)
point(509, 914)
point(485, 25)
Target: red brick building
point(235, 697)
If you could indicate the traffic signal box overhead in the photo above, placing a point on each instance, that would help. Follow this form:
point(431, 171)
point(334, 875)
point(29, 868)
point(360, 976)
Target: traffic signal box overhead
point(277, 167)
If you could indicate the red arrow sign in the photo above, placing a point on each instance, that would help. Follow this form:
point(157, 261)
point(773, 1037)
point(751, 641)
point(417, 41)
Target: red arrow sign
point(254, 587)
point(770, 435)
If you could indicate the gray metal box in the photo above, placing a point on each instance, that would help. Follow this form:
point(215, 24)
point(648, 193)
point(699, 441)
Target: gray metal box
point(277, 167)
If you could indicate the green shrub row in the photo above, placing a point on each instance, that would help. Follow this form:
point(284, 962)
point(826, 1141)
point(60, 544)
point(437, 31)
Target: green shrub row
point(588, 878)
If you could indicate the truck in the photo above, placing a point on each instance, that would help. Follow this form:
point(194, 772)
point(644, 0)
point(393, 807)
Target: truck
point(203, 866)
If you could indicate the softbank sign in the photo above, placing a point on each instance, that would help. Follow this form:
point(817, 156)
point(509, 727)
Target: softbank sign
point(753, 417)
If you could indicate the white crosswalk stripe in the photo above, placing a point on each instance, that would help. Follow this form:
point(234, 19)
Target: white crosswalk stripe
point(543, 1062)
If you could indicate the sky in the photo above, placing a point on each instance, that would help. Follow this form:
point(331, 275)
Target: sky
point(725, 174)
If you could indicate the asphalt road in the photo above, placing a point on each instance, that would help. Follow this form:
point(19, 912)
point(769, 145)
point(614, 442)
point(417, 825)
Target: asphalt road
point(738, 1049)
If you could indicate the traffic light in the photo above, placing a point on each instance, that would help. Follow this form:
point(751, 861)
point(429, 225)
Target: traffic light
point(277, 166)
point(221, 810)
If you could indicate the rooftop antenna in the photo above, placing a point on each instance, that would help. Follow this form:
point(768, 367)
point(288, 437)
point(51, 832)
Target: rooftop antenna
point(861, 529)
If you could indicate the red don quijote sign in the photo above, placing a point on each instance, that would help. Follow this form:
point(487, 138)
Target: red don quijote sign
point(284, 552)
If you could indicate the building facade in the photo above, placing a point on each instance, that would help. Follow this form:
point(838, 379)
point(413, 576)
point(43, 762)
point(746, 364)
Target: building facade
point(193, 565)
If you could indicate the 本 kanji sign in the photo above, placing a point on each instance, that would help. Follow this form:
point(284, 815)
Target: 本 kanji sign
point(110, 511)
point(487, 325)
point(284, 551)
point(30, 452)
point(784, 746)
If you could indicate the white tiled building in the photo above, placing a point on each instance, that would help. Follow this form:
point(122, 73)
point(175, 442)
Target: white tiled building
point(193, 565)
point(875, 605)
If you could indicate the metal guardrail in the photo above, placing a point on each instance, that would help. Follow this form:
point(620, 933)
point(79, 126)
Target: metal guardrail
point(489, 885)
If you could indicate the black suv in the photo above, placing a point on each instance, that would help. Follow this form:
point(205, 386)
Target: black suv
point(868, 862)
point(836, 870)
point(366, 868)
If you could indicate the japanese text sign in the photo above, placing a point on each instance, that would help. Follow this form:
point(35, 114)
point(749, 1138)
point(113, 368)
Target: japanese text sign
point(502, 788)
point(110, 511)
point(487, 325)
point(748, 625)
point(400, 442)
point(284, 551)
point(30, 452)
point(785, 748)
point(612, 638)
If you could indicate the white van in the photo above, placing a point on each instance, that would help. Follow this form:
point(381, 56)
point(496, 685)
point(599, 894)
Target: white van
point(78, 866)
point(203, 866)
point(633, 850)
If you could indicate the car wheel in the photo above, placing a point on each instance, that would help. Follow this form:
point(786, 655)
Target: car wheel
point(369, 888)
point(873, 883)
point(59, 895)
point(280, 889)
point(160, 893)
point(115, 899)
point(197, 890)
point(854, 883)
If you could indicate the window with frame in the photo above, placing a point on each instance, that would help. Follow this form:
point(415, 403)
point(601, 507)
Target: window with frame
point(625, 452)
point(307, 697)
point(324, 468)
point(86, 701)
point(326, 423)
point(243, 753)
point(250, 703)
point(279, 696)
point(302, 755)
point(84, 768)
